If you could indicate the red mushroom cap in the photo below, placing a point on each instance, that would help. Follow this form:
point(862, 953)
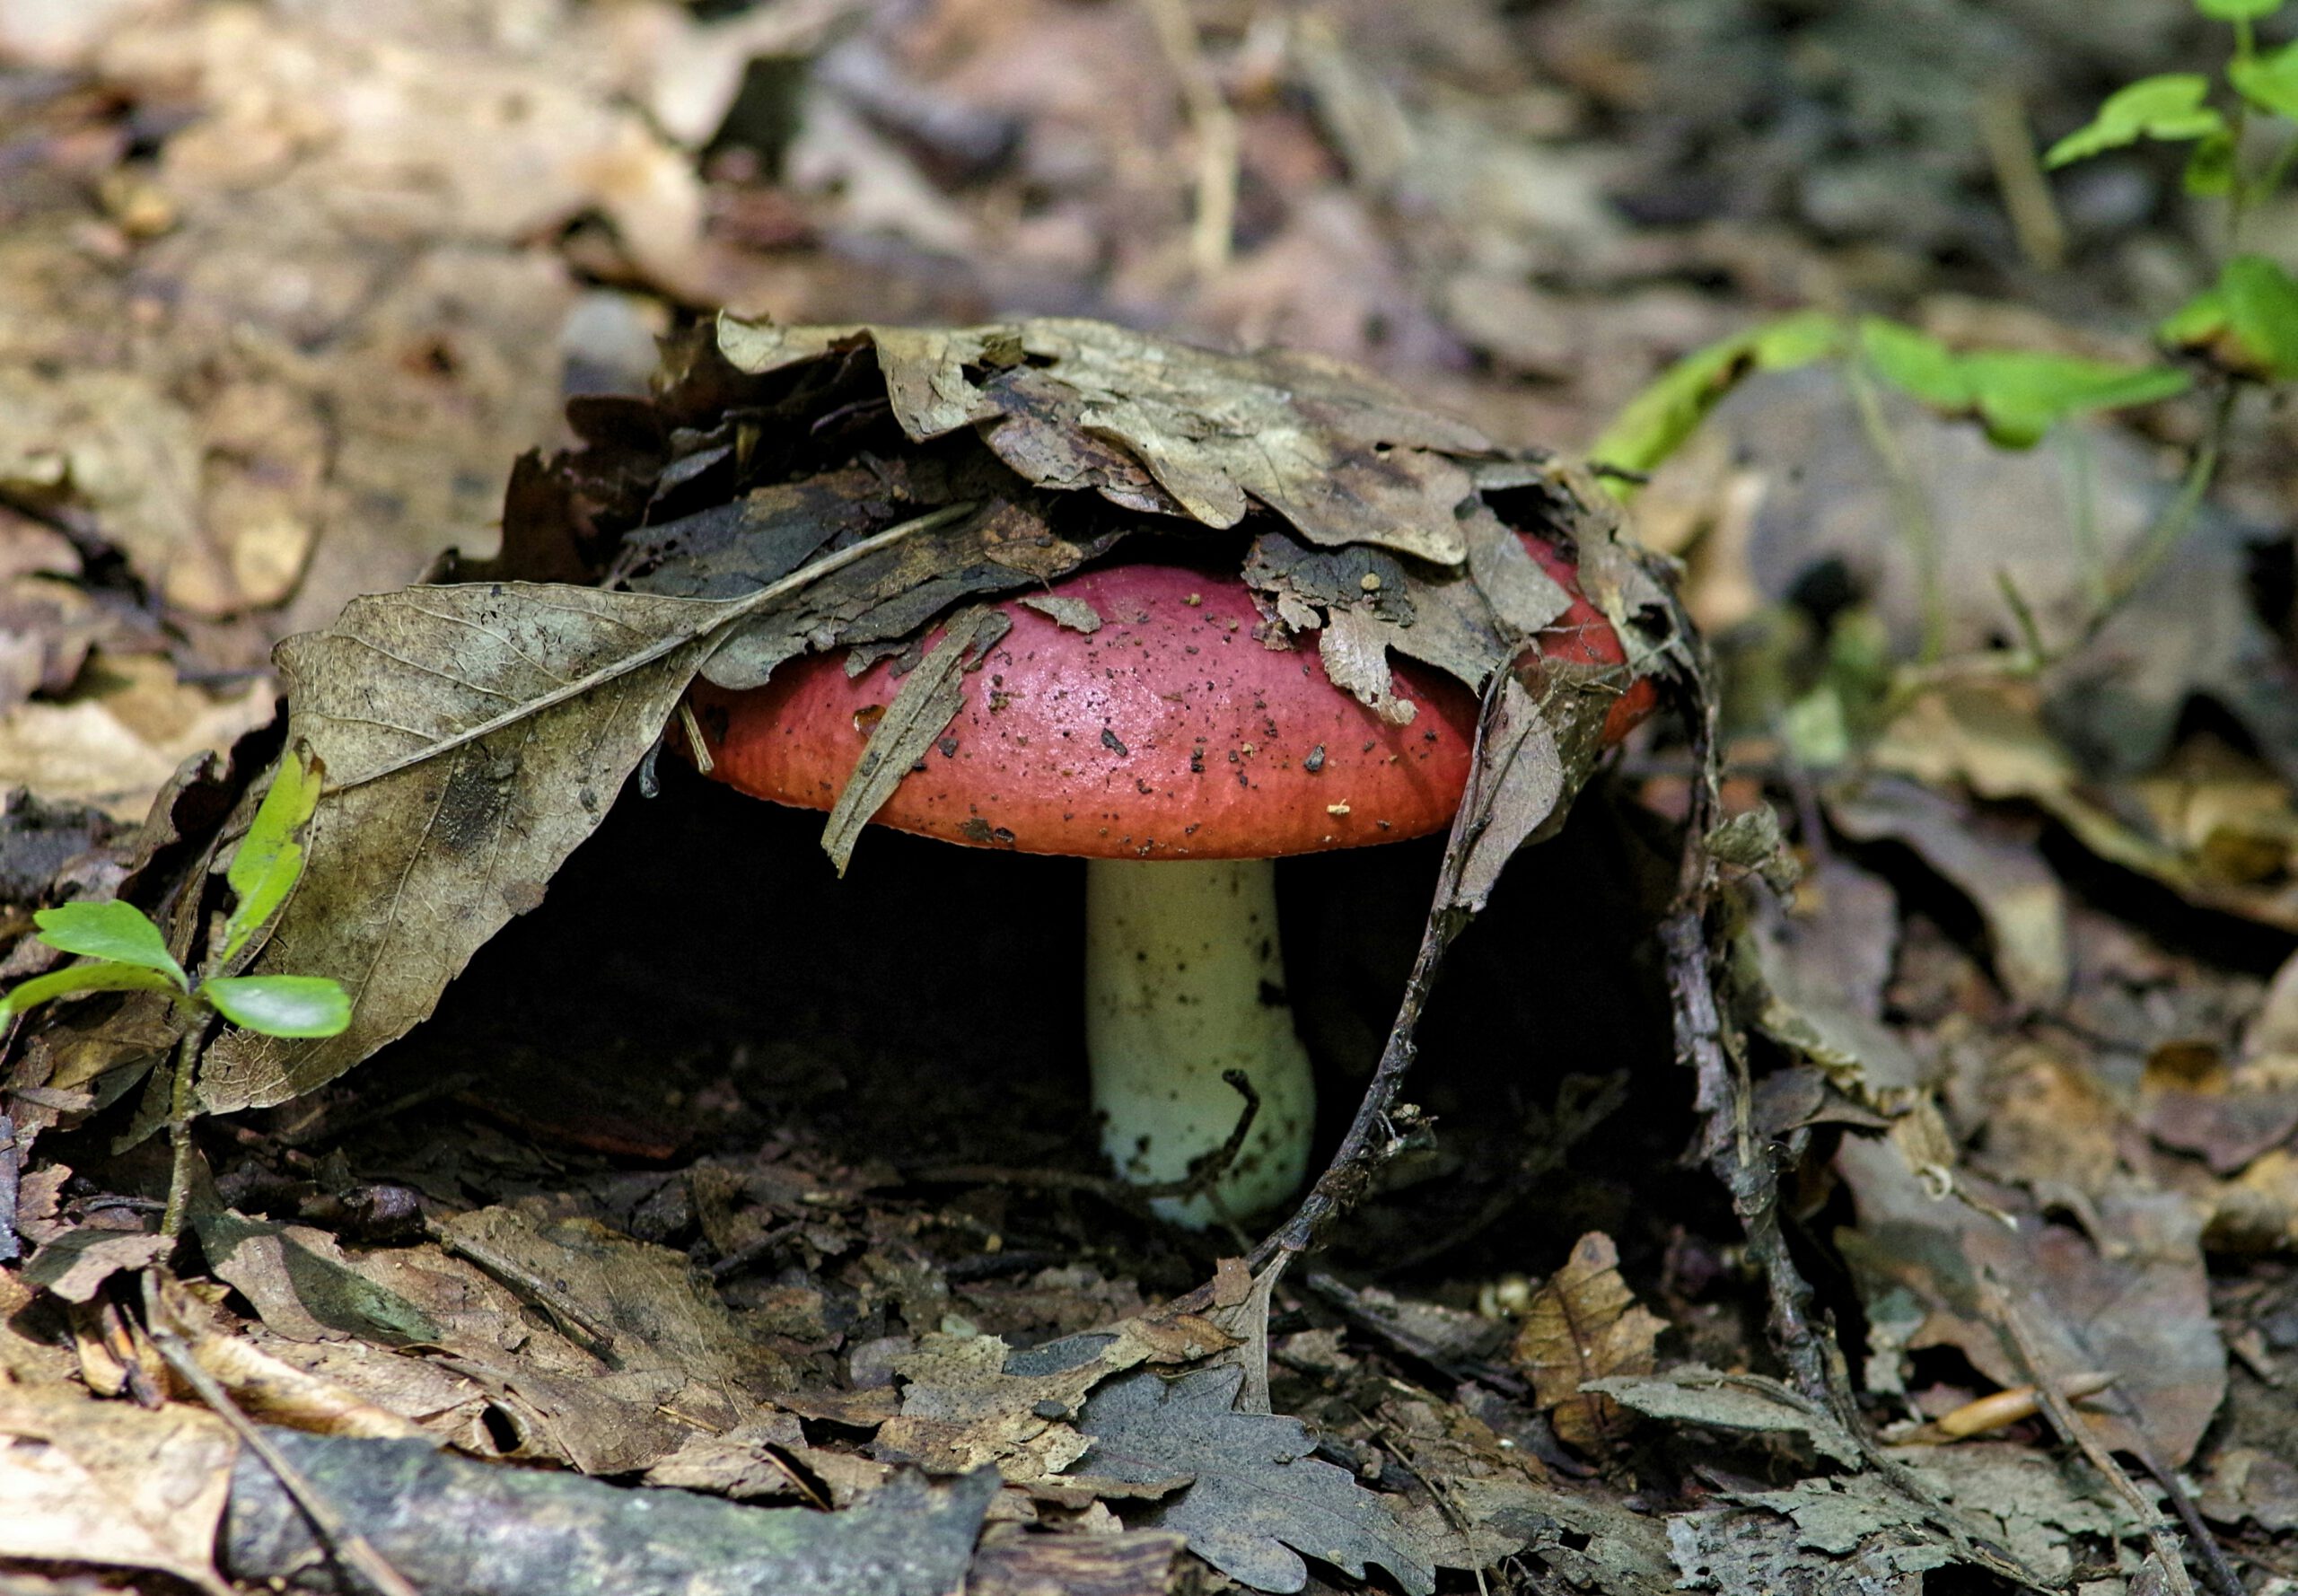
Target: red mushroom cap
point(1170, 733)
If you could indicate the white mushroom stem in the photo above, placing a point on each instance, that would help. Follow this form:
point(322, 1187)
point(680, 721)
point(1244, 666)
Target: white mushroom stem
point(1184, 980)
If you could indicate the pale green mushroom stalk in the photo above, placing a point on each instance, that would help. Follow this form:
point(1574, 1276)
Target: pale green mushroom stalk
point(1184, 980)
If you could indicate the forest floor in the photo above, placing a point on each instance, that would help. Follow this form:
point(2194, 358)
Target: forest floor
point(718, 1170)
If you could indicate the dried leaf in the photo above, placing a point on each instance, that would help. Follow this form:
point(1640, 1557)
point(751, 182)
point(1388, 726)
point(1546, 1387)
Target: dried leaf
point(1257, 1499)
point(1584, 1324)
point(2135, 1302)
point(2024, 907)
point(474, 736)
point(75, 1265)
point(972, 1400)
point(1694, 1395)
point(107, 1483)
point(1355, 647)
point(1517, 784)
point(1077, 614)
point(929, 698)
point(1340, 455)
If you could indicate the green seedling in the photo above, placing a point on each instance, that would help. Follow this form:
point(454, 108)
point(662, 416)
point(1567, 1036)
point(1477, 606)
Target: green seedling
point(124, 952)
point(2238, 334)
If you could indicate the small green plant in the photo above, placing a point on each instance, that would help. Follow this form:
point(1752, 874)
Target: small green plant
point(124, 952)
point(2238, 333)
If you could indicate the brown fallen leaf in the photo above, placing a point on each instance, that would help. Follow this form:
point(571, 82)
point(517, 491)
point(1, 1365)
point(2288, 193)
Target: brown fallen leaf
point(2131, 1299)
point(110, 1484)
point(972, 1400)
point(1584, 1324)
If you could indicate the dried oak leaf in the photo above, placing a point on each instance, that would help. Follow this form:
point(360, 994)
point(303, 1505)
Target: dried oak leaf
point(972, 1400)
point(1340, 454)
point(1256, 1500)
point(1584, 1325)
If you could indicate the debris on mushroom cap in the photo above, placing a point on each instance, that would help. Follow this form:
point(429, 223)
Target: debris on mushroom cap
point(1168, 730)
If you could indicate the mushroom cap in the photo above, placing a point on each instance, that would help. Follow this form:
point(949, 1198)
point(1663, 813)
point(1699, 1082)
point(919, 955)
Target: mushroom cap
point(1172, 731)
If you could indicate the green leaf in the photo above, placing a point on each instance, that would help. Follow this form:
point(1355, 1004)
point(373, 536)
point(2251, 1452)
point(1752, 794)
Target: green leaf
point(2270, 81)
point(2247, 321)
point(2237, 11)
point(2262, 312)
point(103, 976)
point(2017, 395)
point(281, 1005)
point(2021, 395)
point(1916, 364)
point(119, 931)
point(2210, 167)
point(269, 859)
point(2170, 107)
point(1655, 423)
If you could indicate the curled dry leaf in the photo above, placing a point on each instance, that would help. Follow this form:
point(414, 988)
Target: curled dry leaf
point(1161, 427)
point(1584, 1324)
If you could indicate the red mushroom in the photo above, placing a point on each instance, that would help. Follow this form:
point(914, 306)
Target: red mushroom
point(1179, 756)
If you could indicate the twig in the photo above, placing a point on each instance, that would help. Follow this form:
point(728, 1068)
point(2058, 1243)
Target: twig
point(1463, 1525)
point(1214, 127)
point(578, 1326)
point(1351, 1306)
point(2069, 1423)
point(2113, 588)
point(12, 1159)
point(345, 1544)
point(1909, 509)
point(1746, 1163)
point(1370, 1140)
point(2075, 1432)
point(2019, 178)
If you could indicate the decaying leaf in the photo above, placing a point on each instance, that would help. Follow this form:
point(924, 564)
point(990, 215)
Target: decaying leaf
point(1518, 780)
point(1695, 1395)
point(107, 1483)
point(929, 698)
point(1342, 457)
point(2024, 907)
point(2132, 1300)
point(1256, 1500)
point(1584, 1324)
point(1765, 1545)
point(972, 1400)
point(473, 735)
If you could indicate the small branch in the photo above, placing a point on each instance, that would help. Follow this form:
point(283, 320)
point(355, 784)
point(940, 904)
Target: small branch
point(1908, 508)
point(2019, 178)
point(2073, 1430)
point(2114, 588)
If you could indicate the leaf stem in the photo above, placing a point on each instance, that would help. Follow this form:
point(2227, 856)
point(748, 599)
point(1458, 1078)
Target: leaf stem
point(179, 1118)
point(1907, 509)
